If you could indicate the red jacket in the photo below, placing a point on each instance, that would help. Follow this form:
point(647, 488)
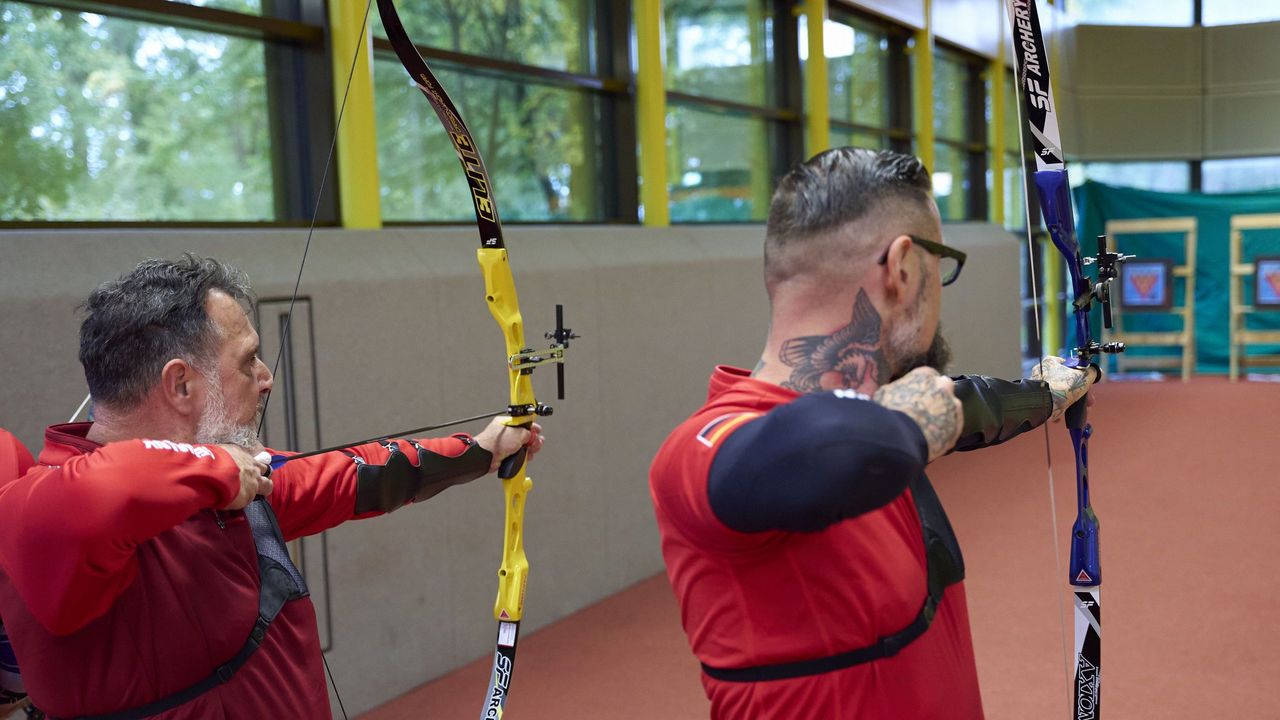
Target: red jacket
point(15, 459)
point(751, 599)
point(120, 584)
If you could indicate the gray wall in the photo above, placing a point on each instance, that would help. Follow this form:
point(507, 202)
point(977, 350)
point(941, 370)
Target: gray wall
point(403, 339)
point(1137, 93)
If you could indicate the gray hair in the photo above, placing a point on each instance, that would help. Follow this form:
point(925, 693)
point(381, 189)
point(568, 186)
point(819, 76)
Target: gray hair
point(135, 324)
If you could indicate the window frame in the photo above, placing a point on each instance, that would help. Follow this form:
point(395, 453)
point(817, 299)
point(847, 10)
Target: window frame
point(291, 45)
point(976, 147)
point(302, 106)
point(783, 121)
point(898, 134)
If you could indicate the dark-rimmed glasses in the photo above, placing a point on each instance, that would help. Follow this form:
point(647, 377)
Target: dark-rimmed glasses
point(950, 260)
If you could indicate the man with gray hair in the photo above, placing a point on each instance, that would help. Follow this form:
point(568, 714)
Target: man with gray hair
point(142, 572)
point(817, 574)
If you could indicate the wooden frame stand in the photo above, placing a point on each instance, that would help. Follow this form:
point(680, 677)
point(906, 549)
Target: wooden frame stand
point(1184, 339)
point(1241, 337)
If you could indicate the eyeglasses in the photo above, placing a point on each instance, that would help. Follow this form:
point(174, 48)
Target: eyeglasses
point(950, 260)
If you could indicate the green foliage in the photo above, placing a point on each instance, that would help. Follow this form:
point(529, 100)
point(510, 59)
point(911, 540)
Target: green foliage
point(554, 34)
point(538, 140)
point(950, 97)
point(106, 119)
point(859, 80)
point(719, 49)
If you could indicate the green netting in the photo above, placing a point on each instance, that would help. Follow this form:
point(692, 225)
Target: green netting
point(1097, 203)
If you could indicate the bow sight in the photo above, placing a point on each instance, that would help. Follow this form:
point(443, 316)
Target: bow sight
point(1108, 264)
point(528, 358)
point(523, 361)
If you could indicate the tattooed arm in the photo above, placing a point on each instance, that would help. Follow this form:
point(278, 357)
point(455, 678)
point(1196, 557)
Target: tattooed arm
point(1066, 385)
point(929, 399)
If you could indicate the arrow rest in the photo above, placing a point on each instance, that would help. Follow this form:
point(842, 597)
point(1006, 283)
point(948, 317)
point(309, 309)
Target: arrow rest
point(535, 409)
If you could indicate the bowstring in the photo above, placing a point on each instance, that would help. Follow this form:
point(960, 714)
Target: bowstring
point(315, 211)
point(306, 249)
point(1035, 313)
point(297, 283)
point(84, 403)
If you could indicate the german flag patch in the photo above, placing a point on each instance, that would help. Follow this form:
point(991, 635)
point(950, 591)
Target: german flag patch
point(714, 431)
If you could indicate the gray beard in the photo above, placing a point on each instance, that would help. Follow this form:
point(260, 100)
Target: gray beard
point(216, 426)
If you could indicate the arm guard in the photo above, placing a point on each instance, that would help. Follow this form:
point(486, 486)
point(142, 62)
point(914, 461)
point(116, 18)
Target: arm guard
point(998, 410)
point(399, 481)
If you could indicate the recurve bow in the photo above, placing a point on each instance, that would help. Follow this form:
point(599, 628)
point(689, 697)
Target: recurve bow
point(1054, 191)
point(500, 295)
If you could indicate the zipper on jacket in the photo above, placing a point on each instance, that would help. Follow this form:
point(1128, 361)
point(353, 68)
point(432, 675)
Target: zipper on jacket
point(217, 516)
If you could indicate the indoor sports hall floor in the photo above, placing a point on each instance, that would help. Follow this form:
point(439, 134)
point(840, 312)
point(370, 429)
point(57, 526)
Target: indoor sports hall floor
point(1186, 486)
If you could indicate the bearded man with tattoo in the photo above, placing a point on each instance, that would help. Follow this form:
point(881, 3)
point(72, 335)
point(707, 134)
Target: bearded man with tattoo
point(817, 574)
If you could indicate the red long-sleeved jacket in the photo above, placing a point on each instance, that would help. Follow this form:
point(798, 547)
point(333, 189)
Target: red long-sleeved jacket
point(15, 459)
point(829, 570)
point(121, 584)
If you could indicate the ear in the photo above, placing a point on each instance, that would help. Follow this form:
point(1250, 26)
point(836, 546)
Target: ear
point(179, 386)
point(898, 268)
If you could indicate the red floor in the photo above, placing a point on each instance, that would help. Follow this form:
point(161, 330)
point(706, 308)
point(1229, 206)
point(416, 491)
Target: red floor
point(1185, 485)
point(622, 658)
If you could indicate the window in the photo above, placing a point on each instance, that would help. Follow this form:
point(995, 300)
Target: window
point(960, 148)
point(728, 131)
point(863, 58)
point(552, 34)
point(716, 156)
point(1235, 12)
point(1017, 186)
point(537, 141)
point(252, 7)
point(1164, 176)
point(1014, 201)
point(531, 88)
point(209, 111)
point(720, 50)
point(112, 119)
point(1167, 13)
point(1241, 174)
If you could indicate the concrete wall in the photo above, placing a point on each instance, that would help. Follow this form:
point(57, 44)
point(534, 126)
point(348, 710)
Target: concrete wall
point(403, 339)
point(1147, 93)
point(1242, 90)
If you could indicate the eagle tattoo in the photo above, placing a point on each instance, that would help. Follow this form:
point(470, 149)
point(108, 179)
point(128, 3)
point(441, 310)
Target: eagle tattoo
point(848, 357)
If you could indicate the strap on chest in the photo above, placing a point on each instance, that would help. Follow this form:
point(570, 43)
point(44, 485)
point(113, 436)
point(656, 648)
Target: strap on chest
point(945, 567)
point(280, 582)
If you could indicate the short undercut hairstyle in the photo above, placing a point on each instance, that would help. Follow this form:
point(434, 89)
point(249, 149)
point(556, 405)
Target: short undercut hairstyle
point(152, 314)
point(830, 191)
